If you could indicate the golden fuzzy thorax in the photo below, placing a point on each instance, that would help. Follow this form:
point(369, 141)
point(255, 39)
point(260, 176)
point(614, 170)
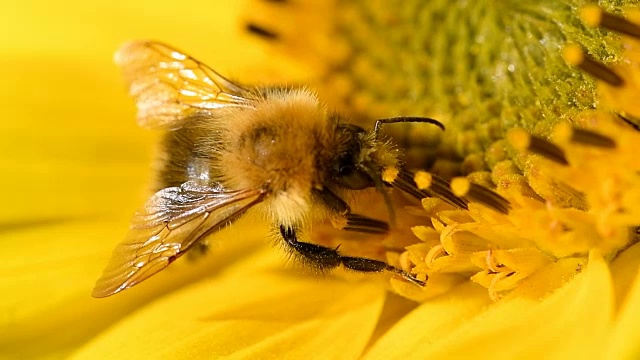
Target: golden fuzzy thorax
point(282, 145)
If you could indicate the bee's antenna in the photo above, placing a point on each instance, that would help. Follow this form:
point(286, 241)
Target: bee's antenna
point(398, 119)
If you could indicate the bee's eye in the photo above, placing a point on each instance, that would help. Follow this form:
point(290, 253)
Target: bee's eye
point(345, 170)
point(352, 178)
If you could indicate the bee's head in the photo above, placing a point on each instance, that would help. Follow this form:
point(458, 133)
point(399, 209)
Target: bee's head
point(359, 158)
point(362, 156)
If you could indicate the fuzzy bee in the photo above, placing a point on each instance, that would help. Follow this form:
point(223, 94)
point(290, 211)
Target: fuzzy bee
point(229, 148)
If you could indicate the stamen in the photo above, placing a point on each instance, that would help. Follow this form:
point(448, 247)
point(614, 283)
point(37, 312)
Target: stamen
point(461, 186)
point(594, 16)
point(491, 264)
point(574, 55)
point(631, 121)
point(438, 187)
point(494, 294)
point(262, 32)
point(435, 252)
point(405, 261)
point(406, 184)
point(564, 132)
point(522, 140)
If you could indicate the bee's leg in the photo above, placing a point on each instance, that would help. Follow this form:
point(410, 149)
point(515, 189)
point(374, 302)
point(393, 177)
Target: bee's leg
point(344, 219)
point(325, 258)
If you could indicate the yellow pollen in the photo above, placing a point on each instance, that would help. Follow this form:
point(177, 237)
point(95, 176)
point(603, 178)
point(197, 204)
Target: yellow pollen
point(519, 138)
point(573, 54)
point(460, 186)
point(562, 133)
point(390, 174)
point(423, 180)
point(591, 15)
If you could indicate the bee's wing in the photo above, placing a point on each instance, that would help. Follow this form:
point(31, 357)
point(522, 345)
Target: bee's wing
point(171, 87)
point(170, 223)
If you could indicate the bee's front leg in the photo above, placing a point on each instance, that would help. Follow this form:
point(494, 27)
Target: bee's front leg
point(324, 258)
point(344, 219)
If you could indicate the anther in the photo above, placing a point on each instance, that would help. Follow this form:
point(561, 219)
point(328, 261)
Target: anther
point(630, 120)
point(261, 31)
point(564, 132)
point(593, 15)
point(462, 187)
point(492, 266)
point(435, 253)
point(575, 56)
point(522, 140)
point(433, 185)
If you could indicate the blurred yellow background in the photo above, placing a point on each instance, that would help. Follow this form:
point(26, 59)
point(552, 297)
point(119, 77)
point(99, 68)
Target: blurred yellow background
point(74, 166)
point(66, 117)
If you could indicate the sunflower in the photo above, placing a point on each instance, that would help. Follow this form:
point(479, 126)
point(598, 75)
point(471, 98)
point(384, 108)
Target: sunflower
point(542, 128)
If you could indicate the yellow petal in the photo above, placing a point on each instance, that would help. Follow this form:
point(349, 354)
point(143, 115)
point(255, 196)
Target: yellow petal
point(415, 333)
point(81, 31)
point(50, 191)
point(572, 323)
point(457, 239)
point(438, 284)
point(47, 281)
point(546, 280)
point(257, 310)
point(450, 263)
point(395, 307)
point(625, 338)
point(624, 270)
point(66, 151)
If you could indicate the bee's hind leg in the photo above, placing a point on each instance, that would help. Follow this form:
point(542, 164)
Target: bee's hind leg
point(324, 258)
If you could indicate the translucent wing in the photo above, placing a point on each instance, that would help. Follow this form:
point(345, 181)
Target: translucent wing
point(171, 87)
point(172, 221)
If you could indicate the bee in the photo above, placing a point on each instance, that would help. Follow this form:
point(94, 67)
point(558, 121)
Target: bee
point(229, 149)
